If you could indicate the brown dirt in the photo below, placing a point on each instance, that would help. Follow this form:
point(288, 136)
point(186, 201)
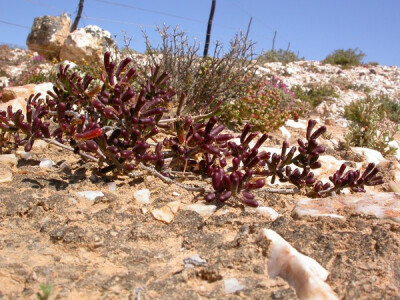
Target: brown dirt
point(109, 249)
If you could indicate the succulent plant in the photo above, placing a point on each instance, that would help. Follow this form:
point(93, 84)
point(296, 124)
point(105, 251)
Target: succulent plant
point(118, 123)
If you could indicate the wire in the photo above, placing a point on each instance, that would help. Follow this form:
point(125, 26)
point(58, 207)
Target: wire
point(117, 21)
point(149, 10)
point(46, 5)
point(13, 24)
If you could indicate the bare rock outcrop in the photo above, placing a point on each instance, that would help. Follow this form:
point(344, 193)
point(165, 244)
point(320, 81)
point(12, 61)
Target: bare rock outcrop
point(48, 34)
point(88, 43)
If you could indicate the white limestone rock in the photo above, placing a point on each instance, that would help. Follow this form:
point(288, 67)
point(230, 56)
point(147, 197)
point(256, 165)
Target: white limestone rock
point(300, 124)
point(380, 205)
point(232, 285)
point(305, 274)
point(267, 212)
point(203, 210)
point(89, 195)
point(142, 196)
point(370, 155)
point(166, 213)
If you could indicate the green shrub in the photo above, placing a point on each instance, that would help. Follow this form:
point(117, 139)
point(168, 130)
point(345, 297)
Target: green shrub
point(267, 105)
point(370, 124)
point(315, 94)
point(283, 56)
point(345, 58)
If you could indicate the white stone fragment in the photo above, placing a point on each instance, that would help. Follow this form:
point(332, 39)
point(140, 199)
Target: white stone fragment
point(175, 194)
point(89, 195)
point(203, 210)
point(304, 207)
point(194, 260)
point(285, 133)
point(142, 196)
point(268, 212)
point(46, 163)
point(371, 155)
point(39, 145)
point(26, 155)
point(232, 285)
point(305, 274)
point(300, 124)
point(166, 213)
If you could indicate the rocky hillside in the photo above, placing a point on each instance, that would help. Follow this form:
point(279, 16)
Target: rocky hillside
point(350, 84)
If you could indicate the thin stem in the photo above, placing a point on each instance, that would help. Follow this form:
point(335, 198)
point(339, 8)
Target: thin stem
point(58, 144)
point(294, 190)
point(166, 121)
point(169, 180)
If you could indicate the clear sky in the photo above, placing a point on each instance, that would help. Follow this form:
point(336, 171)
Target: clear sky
point(314, 28)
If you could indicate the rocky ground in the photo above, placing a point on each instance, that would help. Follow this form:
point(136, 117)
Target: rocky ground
point(115, 246)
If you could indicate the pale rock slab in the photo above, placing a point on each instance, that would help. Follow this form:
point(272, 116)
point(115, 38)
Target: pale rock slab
point(166, 213)
point(88, 43)
point(23, 92)
point(203, 210)
point(89, 195)
point(329, 165)
point(267, 212)
point(300, 124)
point(371, 155)
point(16, 104)
point(380, 205)
point(305, 274)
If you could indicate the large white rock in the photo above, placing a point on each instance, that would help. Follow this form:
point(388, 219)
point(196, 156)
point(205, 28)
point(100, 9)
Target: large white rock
point(371, 155)
point(305, 274)
point(88, 43)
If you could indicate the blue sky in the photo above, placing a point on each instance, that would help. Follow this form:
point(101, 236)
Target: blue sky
point(314, 28)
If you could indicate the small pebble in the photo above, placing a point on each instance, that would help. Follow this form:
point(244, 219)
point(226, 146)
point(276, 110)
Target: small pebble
point(89, 195)
point(202, 209)
point(194, 260)
point(167, 212)
point(268, 212)
point(232, 285)
point(46, 163)
point(176, 194)
point(142, 196)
